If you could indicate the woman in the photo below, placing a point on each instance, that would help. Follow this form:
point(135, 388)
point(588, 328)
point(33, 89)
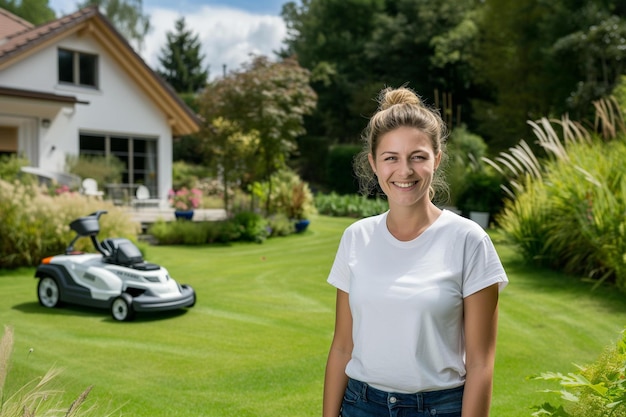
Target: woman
point(417, 286)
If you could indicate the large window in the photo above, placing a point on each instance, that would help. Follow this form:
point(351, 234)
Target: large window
point(78, 68)
point(139, 156)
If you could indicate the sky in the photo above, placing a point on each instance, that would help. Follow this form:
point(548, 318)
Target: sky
point(229, 30)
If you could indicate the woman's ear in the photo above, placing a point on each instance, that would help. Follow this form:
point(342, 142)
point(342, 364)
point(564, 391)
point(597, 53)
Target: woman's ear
point(438, 159)
point(370, 158)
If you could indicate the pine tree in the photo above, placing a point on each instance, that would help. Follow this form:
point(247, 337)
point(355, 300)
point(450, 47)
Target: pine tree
point(181, 60)
point(127, 17)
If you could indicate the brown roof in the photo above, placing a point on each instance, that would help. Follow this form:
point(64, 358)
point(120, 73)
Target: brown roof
point(29, 39)
point(90, 21)
point(11, 24)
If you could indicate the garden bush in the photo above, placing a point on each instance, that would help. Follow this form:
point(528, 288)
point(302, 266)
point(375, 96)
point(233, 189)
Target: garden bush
point(571, 218)
point(185, 175)
point(253, 227)
point(10, 166)
point(340, 175)
point(288, 194)
point(596, 390)
point(34, 224)
point(280, 225)
point(184, 232)
point(105, 170)
point(244, 226)
point(464, 152)
point(350, 205)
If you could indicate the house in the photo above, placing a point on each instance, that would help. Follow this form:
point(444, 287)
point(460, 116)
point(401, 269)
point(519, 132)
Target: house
point(74, 86)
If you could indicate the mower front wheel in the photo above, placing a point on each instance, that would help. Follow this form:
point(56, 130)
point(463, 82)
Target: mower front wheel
point(48, 292)
point(122, 308)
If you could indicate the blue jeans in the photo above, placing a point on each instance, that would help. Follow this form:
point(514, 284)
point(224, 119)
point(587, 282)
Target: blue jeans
point(361, 400)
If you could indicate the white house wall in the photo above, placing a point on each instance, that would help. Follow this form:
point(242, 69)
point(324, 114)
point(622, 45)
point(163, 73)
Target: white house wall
point(118, 106)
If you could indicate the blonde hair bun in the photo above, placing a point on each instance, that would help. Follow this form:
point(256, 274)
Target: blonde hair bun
point(392, 96)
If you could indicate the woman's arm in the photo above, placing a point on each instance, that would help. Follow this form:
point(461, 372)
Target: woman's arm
point(481, 321)
point(340, 353)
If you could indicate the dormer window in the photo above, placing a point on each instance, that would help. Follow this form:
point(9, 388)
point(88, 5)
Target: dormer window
point(78, 68)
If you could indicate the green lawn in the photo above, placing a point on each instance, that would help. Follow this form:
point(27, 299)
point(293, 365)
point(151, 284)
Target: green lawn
point(256, 342)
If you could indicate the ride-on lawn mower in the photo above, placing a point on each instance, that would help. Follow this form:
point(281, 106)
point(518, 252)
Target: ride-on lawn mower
point(116, 278)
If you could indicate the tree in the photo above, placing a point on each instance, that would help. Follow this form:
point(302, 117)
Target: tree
point(545, 58)
point(601, 52)
point(181, 60)
point(429, 45)
point(265, 98)
point(233, 149)
point(36, 12)
point(127, 17)
point(354, 48)
point(328, 38)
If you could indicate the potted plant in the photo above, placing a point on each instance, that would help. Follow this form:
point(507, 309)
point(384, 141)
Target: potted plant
point(185, 201)
point(286, 193)
point(482, 196)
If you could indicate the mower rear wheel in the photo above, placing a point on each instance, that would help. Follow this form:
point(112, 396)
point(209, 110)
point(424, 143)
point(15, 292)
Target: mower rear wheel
point(48, 292)
point(122, 308)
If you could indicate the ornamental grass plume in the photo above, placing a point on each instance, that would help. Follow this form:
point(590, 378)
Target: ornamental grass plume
point(34, 223)
point(185, 199)
point(38, 398)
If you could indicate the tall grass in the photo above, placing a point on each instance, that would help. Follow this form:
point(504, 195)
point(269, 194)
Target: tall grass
point(34, 224)
point(566, 210)
point(39, 397)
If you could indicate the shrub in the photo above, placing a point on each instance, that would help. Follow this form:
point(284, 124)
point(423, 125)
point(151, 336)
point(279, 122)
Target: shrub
point(34, 225)
point(187, 175)
point(464, 150)
point(287, 194)
point(340, 177)
point(572, 218)
point(525, 221)
point(105, 170)
point(351, 205)
point(596, 390)
point(481, 191)
point(177, 233)
point(280, 225)
point(10, 166)
point(582, 185)
point(194, 233)
point(253, 227)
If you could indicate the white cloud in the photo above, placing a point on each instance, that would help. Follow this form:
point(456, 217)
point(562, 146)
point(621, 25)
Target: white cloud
point(228, 36)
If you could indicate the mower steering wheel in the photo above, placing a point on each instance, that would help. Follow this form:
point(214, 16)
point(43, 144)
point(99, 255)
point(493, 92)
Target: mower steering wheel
point(98, 213)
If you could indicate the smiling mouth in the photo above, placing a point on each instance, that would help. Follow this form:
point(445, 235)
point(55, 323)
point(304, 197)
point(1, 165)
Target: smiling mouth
point(405, 184)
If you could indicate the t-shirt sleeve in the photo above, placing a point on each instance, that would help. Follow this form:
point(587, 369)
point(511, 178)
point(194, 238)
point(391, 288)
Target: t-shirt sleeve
point(483, 268)
point(339, 276)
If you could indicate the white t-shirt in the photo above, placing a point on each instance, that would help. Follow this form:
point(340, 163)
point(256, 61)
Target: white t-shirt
point(406, 299)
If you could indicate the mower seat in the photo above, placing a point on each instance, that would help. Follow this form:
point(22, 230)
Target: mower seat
point(124, 252)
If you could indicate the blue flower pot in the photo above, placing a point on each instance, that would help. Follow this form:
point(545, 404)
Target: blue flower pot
point(301, 225)
point(183, 215)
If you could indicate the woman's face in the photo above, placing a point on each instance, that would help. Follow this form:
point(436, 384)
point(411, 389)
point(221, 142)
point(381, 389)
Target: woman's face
point(405, 163)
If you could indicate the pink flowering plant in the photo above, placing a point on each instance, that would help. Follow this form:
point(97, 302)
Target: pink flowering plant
point(185, 199)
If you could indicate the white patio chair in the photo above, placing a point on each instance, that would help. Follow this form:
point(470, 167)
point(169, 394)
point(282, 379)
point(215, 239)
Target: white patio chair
point(90, 188)
point(142, 198)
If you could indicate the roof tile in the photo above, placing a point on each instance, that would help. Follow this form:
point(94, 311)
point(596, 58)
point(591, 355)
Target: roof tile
point(11, 24)
point(14, 43)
